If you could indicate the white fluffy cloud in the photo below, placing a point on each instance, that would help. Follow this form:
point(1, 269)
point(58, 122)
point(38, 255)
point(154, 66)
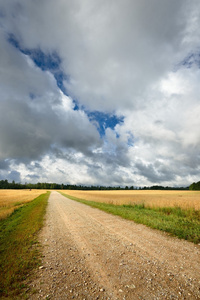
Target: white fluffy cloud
point(138, 59)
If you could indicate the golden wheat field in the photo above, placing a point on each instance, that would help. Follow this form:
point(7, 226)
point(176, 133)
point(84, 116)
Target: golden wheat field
point(150, 198)
point(12, 199)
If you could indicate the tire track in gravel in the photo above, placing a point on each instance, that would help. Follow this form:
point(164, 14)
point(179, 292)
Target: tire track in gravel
point(89, 254)
point(84, 243)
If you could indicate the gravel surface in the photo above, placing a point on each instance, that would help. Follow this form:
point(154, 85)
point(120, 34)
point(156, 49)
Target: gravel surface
point(89, 254)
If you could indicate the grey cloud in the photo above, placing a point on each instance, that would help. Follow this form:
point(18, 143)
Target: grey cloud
point(29, 126)
point(112, 51)
point(4, 165)
point(28, 133)
point(33, 177)
point(155, 174)
point(118, 56)
point(14, 175)
point(37, 165)
point(22, 131)
point(33, 166)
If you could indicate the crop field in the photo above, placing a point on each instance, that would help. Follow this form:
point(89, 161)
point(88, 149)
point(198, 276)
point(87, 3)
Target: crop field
point(13, 199)
point(175, 212)
point(148, 198)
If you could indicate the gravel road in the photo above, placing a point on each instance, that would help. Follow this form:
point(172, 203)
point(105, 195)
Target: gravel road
point(89, 254)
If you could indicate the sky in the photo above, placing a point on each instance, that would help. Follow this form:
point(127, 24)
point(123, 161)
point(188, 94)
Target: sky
point(100, 92)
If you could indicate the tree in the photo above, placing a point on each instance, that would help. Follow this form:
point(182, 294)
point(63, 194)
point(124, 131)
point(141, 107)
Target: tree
point(195, 186)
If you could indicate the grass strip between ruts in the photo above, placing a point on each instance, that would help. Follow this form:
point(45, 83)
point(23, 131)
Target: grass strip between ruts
point(185, 224)
point(18, 245)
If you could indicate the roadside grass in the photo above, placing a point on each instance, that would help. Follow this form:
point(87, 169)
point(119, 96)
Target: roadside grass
point(19, 252)
point(185, 224)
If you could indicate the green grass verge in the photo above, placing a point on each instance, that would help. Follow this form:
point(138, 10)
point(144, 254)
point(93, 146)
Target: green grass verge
point(185, 224)
point(18, 245)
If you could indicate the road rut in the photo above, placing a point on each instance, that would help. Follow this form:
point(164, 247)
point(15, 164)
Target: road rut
point(89, 254)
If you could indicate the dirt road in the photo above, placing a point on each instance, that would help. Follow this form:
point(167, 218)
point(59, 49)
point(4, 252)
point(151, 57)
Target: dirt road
point(89, 254)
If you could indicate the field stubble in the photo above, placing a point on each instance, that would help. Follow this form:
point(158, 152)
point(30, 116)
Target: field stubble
point(153, 199)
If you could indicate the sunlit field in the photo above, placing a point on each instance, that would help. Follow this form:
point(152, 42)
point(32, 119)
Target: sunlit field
point(175, 212)
point(12, 199)
point(182, 199)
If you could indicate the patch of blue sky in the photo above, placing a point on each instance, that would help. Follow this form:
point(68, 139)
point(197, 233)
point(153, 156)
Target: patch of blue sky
point(60, 78)
point(32, 96)
point(117, 135)
point(50, 61)
point(76, 105)
point(130, 140)
point(191, 60)
point(104, 120)
point(45, 61)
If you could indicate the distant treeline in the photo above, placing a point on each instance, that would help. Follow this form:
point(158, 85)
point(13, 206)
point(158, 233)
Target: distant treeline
point(195, 186)
point(4, 184)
